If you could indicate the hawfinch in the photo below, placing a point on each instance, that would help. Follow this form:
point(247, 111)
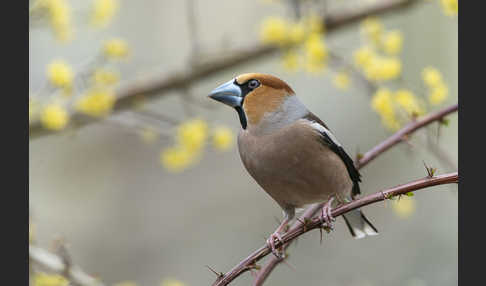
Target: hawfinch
point(290, 152)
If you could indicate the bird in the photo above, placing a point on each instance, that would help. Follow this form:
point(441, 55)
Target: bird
point(291, 153)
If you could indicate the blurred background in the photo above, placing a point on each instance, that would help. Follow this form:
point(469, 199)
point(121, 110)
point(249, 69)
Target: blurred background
point(131, 206)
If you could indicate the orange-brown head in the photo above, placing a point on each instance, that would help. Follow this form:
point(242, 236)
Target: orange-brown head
point(253, 95)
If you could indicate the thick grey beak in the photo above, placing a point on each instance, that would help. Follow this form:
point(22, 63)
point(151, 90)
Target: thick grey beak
point(228, 93)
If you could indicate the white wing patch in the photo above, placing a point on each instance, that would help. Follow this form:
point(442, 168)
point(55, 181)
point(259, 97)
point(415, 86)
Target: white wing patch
point(323, 129)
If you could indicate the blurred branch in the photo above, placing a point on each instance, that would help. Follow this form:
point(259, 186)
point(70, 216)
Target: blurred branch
point(161, 84)
point(61, 266)
point(364, 160)
point(338, 211)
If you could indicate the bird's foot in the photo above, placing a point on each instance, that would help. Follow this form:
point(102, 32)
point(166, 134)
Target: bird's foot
point(327, 220)
point(271, 243)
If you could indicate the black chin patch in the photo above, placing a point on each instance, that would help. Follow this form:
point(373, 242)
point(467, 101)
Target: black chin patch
point(241, 115)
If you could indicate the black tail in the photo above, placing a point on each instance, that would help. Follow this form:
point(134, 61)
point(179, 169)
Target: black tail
point(359, 226)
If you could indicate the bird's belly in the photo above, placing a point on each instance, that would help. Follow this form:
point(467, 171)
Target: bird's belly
point(294, 176)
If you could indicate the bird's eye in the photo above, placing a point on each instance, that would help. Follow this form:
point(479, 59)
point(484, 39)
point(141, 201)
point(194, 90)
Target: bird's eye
point(253, 83)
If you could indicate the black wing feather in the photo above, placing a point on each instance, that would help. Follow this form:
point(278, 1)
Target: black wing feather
point(348, 162)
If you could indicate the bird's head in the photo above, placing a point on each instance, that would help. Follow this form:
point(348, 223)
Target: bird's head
point(259, 99)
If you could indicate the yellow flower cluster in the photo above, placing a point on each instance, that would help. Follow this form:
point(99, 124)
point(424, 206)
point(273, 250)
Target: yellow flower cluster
point(389, 42)
point(372, 29)
point(103, 12)
point(54, 117)
point(222, 138)
point(382, 103)
point(376, 67)
point(191, 137)
point(438, 91)
point(60, 74)
point(342, 80)
point(388, 105)
point(377, 58)
point(43, 279)
point(409, 102)
point(450, 7)
point(316, 53)
point(280, 31)
point(96, 102)
point(192, 134)
point(172, 282)
point(115, 49)
point(404, 207)
point(289, 35)
point(392, 42)
point(59, 16)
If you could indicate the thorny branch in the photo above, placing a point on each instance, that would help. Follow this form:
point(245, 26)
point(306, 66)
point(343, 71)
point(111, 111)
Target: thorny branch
point(309, 213)
point(160, 85)
point(316, 223)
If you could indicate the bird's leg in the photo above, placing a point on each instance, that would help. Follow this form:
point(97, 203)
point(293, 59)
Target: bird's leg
point(326, 216)
point(276, 236)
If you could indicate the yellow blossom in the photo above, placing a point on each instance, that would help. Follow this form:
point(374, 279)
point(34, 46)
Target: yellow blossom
point(54, 117)
point(392, 42)
point(316, 53)
point(60, 73)
point(342, 80)
point(383, 68)
point(274, 31)
point(372, 29)
point(316, 48)
point(438, 94)
point(43, 279)
point(296, 33)
point(116, 49)
point(104, 77)
point(432, 77)
point(450, 7)
point(59, 16)
point(96, 102)
point(126, 283)
point(177, 158)
point(103, 12)
point(404, 207)
point(172, 282)
point(192, 134)
point(382, 103)
point(407, 100)
point(363, 56)
point(290, 60)
point(222, 138)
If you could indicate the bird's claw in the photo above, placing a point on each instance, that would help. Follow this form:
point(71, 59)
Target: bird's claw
point(326, 218)
point(271, 243)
